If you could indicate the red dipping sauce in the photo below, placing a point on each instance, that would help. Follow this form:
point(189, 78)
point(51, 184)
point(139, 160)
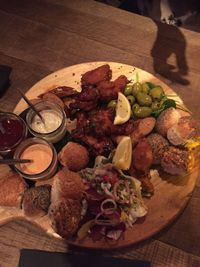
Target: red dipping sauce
point(12, 131)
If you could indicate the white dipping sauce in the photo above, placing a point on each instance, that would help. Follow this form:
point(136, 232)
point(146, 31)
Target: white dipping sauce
point(52, 119)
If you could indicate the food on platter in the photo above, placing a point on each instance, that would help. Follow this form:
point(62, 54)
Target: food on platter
point(185, 129)
point(36, 200)
point(65, 216)
point(126, 135)
point(67, 184)
point(175, 161)
point(166, 120)
point(53, 98)
point(158, 145)
point(52, 127)
point(12, 188)
point(74, 156)
point(12, 131)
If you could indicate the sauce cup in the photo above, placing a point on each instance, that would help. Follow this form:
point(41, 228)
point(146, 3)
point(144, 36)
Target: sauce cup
point(54, 127)
point(43, 155)
point(13, 131)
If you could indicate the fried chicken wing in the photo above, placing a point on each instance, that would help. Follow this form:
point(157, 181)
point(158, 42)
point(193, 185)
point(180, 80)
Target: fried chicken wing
point(83, 105)
point(62, 92)
point(109, 90)
point(94, 77)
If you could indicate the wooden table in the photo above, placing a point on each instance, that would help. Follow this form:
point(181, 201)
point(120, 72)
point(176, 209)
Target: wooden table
point(38, 37)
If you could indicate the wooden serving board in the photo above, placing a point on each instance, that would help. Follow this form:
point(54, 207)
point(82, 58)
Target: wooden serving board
point(171, 193)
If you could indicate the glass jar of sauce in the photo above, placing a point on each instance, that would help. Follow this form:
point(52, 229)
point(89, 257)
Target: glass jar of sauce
point(43, 156)
point(12, 131)
point(53, 126)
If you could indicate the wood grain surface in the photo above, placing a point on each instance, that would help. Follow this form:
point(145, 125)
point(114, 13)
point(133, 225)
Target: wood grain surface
point(42, 36)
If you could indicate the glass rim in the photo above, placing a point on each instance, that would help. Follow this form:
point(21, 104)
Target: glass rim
point(24, 133)
point(54, 131)
point(26, 143)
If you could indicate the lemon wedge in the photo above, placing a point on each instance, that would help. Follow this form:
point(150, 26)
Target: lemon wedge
point(123, 154)
point(123, 110)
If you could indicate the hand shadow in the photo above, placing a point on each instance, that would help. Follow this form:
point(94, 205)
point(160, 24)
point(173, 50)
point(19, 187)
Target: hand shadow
point(170, 40)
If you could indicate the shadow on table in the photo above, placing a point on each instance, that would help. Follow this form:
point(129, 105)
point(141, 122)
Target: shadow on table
point(170, 40)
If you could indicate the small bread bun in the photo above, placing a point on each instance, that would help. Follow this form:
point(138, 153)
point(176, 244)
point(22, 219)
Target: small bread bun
point(74, 156)
point(166, 120)
point(159, 145)
point(183, 130)
point(175, 161)
point(67, 184)
point(65, 216)
point(36, 200)
point(12, 188)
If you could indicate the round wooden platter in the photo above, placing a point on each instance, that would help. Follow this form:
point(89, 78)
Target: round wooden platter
point(171, 192)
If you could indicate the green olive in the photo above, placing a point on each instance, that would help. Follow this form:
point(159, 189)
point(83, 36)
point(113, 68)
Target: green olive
point(112, 104)
point(142, 112)
point(156, 105)
point(131, 99)
point(145, 88)
point(143, 99)
point(137, 87)
point(135, 107)
point(128, 90)
point(156, 93)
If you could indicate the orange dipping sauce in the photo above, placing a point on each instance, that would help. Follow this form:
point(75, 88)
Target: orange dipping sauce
point(40, 154)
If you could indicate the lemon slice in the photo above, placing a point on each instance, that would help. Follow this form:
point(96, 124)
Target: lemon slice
point(123, 110)
point(123, 154)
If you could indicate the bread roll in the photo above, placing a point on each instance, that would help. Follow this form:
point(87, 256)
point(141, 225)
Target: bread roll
point(12, 188)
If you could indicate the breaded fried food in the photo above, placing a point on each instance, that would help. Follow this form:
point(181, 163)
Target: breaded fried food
point(109, 90)
point(65, 216)
point(94, 77)
point(142, 156)
point(74, 156)
point(12, 188)
point(159, 145)
point(67, 184)
point(62, 91)
point(36, 200)
point(175, 161)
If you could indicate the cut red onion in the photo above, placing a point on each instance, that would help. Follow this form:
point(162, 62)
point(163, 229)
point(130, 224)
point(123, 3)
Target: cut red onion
point(106, 221)
point(108, 210)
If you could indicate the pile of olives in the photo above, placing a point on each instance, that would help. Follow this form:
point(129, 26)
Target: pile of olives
point(143, 99)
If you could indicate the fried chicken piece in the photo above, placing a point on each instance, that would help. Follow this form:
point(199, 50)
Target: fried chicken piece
point(101, 123)
point(96, 145)
point(65, 216)
point(88, 95)
point(142, 156)
point(62, 92)
point(94, 77)
point(67, 184)
point(83, 105)
point(109, 90)
point(74, 156)
point(86, 100)
point(147, 186)
point(82, 120)
point(121, 82)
